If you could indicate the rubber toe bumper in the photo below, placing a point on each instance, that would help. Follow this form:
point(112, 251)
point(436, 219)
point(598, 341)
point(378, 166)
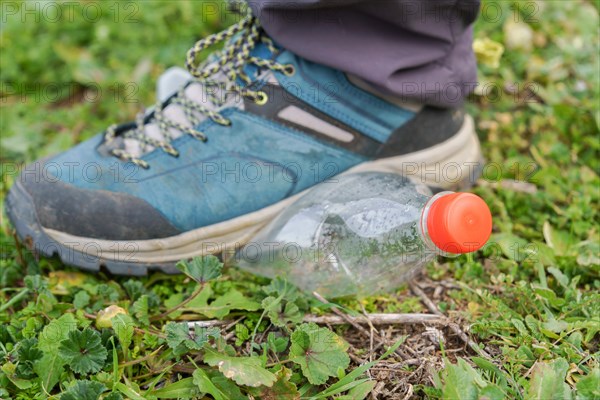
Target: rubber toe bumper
point(30, 206)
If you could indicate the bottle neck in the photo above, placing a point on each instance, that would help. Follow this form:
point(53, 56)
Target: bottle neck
point(423, 227)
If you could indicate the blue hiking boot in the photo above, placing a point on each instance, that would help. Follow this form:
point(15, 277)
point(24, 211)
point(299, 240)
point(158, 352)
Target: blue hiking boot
point(208, 166)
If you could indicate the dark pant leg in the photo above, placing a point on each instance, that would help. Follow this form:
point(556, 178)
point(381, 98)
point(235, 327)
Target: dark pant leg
point(420, 50)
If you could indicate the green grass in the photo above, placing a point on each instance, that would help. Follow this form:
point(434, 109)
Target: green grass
point(530, 299)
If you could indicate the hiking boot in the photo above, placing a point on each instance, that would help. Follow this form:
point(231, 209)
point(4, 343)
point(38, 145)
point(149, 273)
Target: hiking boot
point(248, 132)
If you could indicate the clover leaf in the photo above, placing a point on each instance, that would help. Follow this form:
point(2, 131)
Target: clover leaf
point(201, 269)
point(319, 352)
point(83, 351)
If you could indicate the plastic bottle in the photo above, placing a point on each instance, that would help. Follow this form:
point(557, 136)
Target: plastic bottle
point(365, 233)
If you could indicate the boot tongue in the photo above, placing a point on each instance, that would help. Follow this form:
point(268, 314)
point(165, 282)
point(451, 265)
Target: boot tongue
point(170, 81)
point(195, 92)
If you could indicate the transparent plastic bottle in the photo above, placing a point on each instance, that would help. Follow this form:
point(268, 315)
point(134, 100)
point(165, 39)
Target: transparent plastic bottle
point(365, 233)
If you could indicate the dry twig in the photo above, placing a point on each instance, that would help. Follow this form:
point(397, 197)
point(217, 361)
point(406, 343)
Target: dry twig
point(454, 327)
point(366, 319)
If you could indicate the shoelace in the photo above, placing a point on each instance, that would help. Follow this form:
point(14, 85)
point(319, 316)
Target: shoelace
point(230, 61)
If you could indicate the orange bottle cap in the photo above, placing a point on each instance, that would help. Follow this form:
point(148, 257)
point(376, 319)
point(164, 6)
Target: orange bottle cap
point(459, 223)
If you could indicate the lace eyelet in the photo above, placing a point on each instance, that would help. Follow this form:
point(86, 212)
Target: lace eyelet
point(261, 98)
point(289, 70)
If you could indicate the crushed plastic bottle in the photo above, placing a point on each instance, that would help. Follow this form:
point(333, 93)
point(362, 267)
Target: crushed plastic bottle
point(365, 233)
